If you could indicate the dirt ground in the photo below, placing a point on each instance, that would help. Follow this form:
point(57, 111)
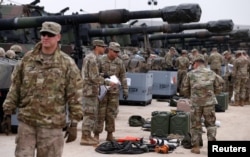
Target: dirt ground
point(234, 126)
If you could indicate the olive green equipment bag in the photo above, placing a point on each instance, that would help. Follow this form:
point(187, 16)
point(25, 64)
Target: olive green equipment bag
point(136, 120)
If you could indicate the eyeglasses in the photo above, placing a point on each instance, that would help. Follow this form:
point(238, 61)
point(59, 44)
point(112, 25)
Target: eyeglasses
point(48, 34)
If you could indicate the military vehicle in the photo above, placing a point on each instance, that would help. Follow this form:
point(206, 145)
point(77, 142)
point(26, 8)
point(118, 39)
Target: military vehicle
point(20, 24)
point(205, 39)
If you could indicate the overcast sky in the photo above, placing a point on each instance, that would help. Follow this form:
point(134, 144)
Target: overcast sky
point(237, 10)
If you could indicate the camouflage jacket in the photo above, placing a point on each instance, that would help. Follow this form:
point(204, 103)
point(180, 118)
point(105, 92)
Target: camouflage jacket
point(229, 61)
point(43, 89)
point(114, 67)
point(201, 85)
point(182, 63)
point(215, 60)
point(169, 60)
point(92, 78)
point(240, 68)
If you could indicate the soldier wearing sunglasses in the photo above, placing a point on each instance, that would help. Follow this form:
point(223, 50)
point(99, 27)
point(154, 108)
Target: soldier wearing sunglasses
point(45, 80)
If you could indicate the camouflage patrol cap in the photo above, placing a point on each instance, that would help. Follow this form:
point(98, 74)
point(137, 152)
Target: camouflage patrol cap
point(98, 43)
point(184, 51)
point(214, 49)
point(10, 54)
point(2, 52)
point(194, 50)
point(225, 52)
point(204, 50)
point(238, 52)
point(51, 27)
point(125, 56)
point(114, 46)
point(16, 48)
point(199, 58)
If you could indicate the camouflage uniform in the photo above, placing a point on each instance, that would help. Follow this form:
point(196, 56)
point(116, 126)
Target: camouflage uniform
point(18, 51)
point(92, 80)
point(108, 107)
point(182, 64)
point(169, 58)
point(201, 85)
point(228, 75)
point(240, 75)
point(42, 88)
point(215, 60)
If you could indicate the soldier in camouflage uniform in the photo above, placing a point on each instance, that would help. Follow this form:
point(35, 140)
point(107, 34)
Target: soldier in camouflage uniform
point(10, 54)
point(18, 51)
point(240, 76)
point(44, 84)
point(2, 52)
point(204, 53)
point(215, 60)
point(229, 59)
point(194, 54)
point(247, 100)
point(201, 85)
point(169, 57)
point(110, 64)
point(182, 64)
point(92, 80)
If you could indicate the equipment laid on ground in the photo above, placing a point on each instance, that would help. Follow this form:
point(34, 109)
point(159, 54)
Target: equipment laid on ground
point(160, 123)
point(222, 99)
point(183, 105)
point(180, 123)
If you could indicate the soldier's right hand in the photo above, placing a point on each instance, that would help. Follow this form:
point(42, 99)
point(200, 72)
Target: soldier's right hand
point(6, 124)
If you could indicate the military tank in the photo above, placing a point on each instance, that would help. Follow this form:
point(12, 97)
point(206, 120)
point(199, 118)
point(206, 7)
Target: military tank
point(20, 24)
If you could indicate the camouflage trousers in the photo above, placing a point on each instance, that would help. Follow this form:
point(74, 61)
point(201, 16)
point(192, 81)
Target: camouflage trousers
point(180, 76)
point(228, 87)
point(240, 88)
point(107, 111)
point(90, 112)
point(208, 113)
point(46, 142)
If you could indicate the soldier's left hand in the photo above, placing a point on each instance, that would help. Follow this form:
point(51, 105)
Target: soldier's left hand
point(125, 96)
point(71, 132)
point(6, 124)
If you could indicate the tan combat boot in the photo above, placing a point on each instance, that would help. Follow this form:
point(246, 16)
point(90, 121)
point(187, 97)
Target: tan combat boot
point(110, 136)
point(236, 103)
point(241, 103)
point(195, 149)
point(87, 140)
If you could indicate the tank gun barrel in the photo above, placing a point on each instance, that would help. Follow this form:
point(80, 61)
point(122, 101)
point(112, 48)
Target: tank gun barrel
point(182, 13)
point(213, 26)
point(236, 34)
point(35, 2)
point(64, 10)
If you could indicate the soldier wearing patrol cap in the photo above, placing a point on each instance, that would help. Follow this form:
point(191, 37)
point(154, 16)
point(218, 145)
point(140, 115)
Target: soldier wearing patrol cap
point(18, 51)
point(2, 52)
point(92, 79)
point(10, 54)
point(47, 82)
point(215, 60)
point(229, 59)
point(182, 64)
point(111, 64)
point(240, 75)
point(201, 85)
